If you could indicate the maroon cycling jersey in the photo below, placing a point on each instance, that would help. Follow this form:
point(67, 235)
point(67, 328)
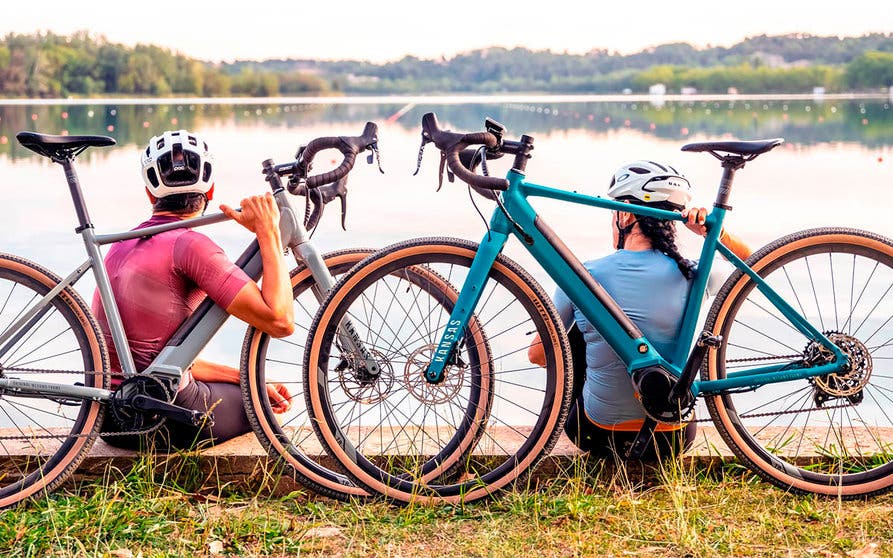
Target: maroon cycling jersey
point(159, 281)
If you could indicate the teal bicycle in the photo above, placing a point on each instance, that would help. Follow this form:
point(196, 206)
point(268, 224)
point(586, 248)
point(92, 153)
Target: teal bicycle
point(792, 360)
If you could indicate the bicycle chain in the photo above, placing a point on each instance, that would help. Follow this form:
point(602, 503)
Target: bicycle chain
point(772, 414)
point(53, 436)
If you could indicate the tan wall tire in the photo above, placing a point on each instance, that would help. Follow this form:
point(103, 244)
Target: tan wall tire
point(464, 476)
point(57, 437)
point(791, 433)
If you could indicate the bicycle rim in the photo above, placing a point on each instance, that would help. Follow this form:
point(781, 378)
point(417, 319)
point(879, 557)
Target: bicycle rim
point(832, 434)
point(289, 436)
point(491, 419)
point(42, 440)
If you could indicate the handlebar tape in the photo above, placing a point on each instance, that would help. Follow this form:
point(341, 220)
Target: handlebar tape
point(451, 143)
point(349, 146)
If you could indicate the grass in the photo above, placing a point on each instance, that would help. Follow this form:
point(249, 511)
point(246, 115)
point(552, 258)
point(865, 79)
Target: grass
point(171, 507)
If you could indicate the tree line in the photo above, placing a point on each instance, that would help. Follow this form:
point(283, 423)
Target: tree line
point(50, 65)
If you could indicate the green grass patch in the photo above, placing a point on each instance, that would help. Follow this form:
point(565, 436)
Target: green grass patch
point(589, 508)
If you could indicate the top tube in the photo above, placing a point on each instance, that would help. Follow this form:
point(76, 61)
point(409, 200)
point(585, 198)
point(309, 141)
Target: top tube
point(111, 238)
point(529, 189)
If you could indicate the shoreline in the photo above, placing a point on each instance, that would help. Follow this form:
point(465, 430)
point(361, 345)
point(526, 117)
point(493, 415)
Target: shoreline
point(441, 99)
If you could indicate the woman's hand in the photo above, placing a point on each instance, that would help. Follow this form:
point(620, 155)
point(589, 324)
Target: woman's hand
point(280, 398)
point(695, 220)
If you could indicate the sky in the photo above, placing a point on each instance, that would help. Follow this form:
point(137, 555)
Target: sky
point(384, 30)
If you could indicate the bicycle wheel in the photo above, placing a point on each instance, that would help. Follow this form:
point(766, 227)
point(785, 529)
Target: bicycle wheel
point(830, 434)
point(485, 425)
point(42, 440)
point(289, 436)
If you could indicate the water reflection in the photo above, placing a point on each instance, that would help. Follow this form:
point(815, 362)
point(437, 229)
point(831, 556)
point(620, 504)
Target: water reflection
point(806, 122)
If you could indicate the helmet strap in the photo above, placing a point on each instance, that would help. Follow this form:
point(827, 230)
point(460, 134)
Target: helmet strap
point(623, 232)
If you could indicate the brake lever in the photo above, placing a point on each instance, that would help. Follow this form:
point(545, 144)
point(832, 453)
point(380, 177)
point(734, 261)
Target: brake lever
point(319, 197)
point(418, 163)
point(374, 154)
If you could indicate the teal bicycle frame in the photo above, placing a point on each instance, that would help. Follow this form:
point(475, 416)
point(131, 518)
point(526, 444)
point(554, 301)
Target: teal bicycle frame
point(600, 309)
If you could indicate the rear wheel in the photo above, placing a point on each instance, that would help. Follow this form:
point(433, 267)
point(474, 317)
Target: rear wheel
point(490, 420)
point(43, 439)
point(830, 434)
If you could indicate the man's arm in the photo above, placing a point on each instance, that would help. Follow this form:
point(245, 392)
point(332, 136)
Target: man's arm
point(205, 371)
point(268, 307)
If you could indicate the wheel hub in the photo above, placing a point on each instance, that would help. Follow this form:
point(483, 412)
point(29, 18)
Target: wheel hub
point(362, 387)
point(418, 384)
point(850, 381)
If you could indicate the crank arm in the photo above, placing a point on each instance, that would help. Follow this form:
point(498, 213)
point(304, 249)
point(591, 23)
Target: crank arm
point(174, 412)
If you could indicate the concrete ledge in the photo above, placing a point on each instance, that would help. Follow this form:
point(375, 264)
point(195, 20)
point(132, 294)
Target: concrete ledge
point(243, 462)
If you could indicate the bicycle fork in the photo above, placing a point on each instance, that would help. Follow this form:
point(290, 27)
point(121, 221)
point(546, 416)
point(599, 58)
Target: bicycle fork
point(472, 288)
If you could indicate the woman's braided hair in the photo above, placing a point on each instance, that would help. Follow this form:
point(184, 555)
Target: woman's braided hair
point(662, 235)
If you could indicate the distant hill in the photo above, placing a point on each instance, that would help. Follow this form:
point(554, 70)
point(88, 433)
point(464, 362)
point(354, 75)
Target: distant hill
point(784, 63)
point(50, 65)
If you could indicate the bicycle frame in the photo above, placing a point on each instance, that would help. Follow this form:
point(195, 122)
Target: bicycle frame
point(595, 303)
point(194, 334)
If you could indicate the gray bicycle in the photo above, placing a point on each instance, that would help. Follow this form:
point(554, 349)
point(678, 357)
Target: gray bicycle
point(55, 381)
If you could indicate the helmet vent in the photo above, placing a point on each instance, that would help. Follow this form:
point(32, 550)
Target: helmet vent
point(206, 172)
point(639, 170)
point(192, 141)
point(153, 178)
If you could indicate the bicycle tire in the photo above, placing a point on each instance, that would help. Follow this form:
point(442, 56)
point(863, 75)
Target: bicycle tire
point(509, 411)
point(44, 440)
point(290, 438)
point(293, 448)
point(829, 435)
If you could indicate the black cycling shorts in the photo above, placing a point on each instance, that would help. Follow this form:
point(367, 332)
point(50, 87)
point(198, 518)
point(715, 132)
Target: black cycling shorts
point(602, 442)
point(230, 420)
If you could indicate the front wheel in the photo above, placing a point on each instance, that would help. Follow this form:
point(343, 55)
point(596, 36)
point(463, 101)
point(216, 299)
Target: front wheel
point(43, 439)
point(490, 420)
point(831, 434)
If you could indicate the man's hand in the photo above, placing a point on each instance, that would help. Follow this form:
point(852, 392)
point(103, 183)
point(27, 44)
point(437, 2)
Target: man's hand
point(695, 219)
point(259, 213)
point(280, 398)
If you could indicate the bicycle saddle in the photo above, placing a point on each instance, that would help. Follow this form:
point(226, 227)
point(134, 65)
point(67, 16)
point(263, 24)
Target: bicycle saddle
point(755, 147)
point(56, 147)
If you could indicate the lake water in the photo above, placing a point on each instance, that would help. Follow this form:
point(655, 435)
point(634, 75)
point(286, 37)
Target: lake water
point(835, 168)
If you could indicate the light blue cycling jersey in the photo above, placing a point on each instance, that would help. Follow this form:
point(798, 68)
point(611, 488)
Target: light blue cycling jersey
point(652, 291)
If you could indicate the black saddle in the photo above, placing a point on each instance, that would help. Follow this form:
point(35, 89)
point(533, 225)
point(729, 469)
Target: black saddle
point(744, 148)
point(61, 147)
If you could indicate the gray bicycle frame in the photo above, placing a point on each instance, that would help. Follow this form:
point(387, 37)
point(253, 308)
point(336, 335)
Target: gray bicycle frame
point(195, 333)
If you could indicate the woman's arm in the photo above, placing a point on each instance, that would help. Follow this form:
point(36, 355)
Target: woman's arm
point(695, 219)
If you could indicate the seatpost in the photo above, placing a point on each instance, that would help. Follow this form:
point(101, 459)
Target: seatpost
point(730, 164)
point(74, 186)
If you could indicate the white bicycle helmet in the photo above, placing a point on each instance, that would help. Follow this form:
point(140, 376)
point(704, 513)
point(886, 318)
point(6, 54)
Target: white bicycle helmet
point(650, 182)
point(177, 162)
